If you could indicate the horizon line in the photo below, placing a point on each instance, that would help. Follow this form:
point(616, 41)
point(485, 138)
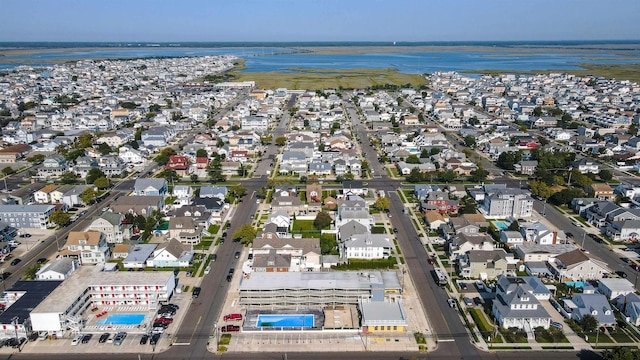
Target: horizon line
point(315, 41)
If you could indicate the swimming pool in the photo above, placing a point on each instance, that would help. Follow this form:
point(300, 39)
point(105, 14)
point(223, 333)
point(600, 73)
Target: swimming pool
point(277, 320)
point(577, 284)
point(501, 225)
point(122, 319)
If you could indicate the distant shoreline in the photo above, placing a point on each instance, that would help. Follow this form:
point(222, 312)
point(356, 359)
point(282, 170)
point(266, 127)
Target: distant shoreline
point(620, 48)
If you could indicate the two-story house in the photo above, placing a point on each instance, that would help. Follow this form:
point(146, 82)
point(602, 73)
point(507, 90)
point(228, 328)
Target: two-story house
point(111, 225)
point(88, 247)
point(150, 187)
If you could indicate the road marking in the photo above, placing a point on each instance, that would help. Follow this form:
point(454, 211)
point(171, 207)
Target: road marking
point(446, 340)
point(194, 329)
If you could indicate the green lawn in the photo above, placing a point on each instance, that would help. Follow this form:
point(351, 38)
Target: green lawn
point(481, 320)
point(306, 228)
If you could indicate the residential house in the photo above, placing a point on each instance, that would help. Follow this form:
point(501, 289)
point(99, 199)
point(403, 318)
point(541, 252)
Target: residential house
point(463, 243)
point(303, 254)
point(290, 204)
point(526, 167)
point(600, 191)
point(200, 215)
point(354, 187)
point(183, 195)
point(625, 230)
point(178, 163)
point(83, 165)
point(24, 195)
point(213, 191)
point(58, 269)
point(614, 288)
point(293, 162)
point(171, 254)
point(150, 187)
point(111, 165)
point(130, 155)
point(42, 196)
point(578, 265)
point(516, 305)
point(365, 246)
point(215, 206)
point(595, 305)
point(511, 238)
point(538, 233)
point(111, 225)
point(629, 305)
point(138, 255)
point(185, 230)
point(72, 197)
point(88, 247)
point(541, 253)
point(137, 205)
point(585, 165)
point(434, 220)
point(52, 167)
point(120, 251)
point(439, 201)
point(353, 208)
point(314, 193)
point(484, 264)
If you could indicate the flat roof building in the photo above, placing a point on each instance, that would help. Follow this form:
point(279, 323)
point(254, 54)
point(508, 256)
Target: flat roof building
point(287, 289)
point(19, 300)
point(89, 285)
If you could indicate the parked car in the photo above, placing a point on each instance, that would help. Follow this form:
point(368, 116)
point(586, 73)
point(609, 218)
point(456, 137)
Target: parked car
point(154, 339)
point(103, 338)
point(110, 338)
point(232, 270)
point(230, 328)
point(76, 340)
point(119, 338)
point(477, 300)
point(463, 286)
point(214, 257)
point(41, 261)
point(158, 330)
point(33, 336)
point(467, 301)
point(15, 261)
point(87, 338)
point(207, 270)
point(395, 230)
point(556, 325)
point(452, 303)
point(237, 255)
point(480, 285)
point(229, 278)
point(196, 292)
point(233, 317)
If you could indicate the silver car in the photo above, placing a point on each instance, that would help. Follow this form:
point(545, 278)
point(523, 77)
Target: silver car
point(119, 338)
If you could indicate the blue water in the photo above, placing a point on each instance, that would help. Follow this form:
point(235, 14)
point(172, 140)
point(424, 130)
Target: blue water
point(122, 319)
point(274, 58)
point(501, 225)
point(285, 320)
point(576, 283)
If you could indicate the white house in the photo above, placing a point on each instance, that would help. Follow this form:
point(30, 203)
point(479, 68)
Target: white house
point(59, 269)
point(366, 246)
point(516, 305)
point(614, 288)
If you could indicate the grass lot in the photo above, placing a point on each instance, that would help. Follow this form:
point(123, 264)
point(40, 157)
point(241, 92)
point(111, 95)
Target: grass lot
point(306, 228)
point(620, 336)
point(481, 320)
point(204, 245)
point(315, 79)
point(551, 335)
point(629, 72)
point(514, 335)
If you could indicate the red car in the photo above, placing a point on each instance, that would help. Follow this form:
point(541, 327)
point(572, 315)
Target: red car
point(233, 317)
point(230, 328)
point(164, 320)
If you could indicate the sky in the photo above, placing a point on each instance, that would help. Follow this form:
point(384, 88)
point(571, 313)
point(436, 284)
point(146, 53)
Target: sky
point(318, 20)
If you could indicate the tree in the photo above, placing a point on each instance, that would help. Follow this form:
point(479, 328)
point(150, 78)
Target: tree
point(434, 150)
point(322, 220)
point(321, 147)
point(169, 174)
point(589, 323)
point(619, 353)
point(201, 153)
point(68, 178)
point(447, 175)
point(479, 174)
point(237, 191)
point(605, 175)
point(470, 141)
point(514, 226)
point(104, 149)
point(59, 217)
point(262, 193)
point(304, 179)
point(266, 140)
point(93, 174)
point(7, 170)
point(245, 234)
point(425, 153)
point(508, 159)
point(540, 188)
point(412, 159)
point(36, 159)
point(281, 140)
point(101, 183)
point(537, 111)
point(348, 176)
point(382, 203)
point(565, 196)
point(328, 244)
point(163, 157)
point(88, 195)
point(193, 177)
point(470, 206)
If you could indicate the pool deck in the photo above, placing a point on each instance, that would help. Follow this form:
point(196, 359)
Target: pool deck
point(92, 325)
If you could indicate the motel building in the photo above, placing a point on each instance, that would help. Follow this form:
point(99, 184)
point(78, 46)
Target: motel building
point(88, 292)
